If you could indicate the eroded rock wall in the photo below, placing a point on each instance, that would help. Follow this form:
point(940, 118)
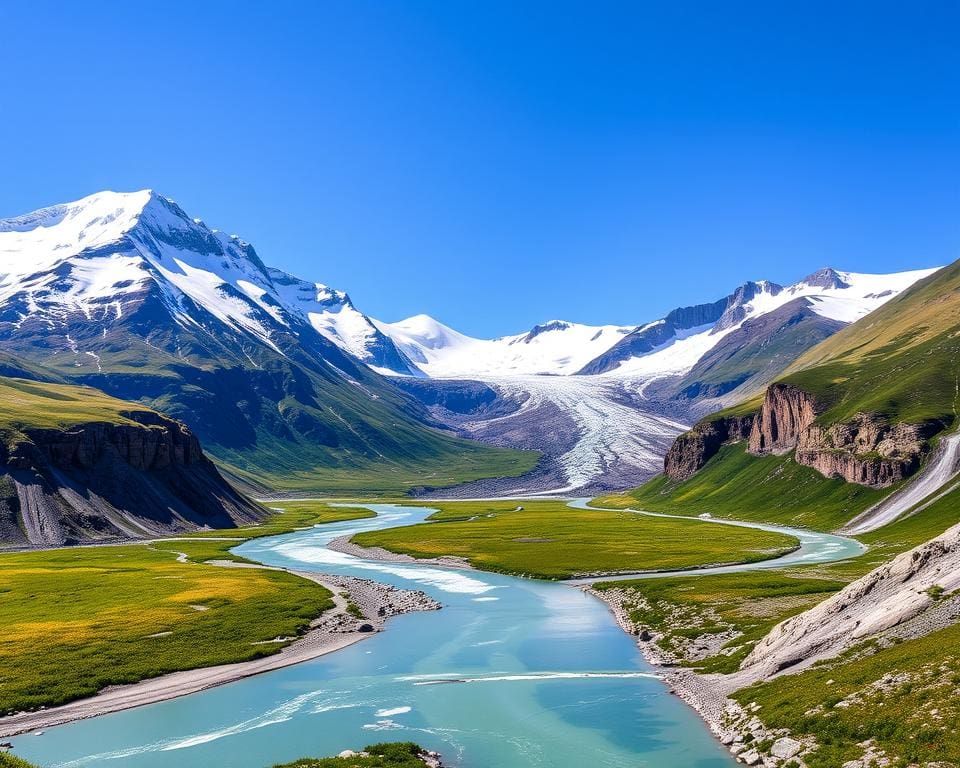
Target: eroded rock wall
point(691, 450)
point(99, 481)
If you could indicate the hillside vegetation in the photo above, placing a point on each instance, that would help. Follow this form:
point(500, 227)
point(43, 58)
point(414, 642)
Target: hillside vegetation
point(79, 619)
point(41, 405)
point(737, 485)
point(900, 361)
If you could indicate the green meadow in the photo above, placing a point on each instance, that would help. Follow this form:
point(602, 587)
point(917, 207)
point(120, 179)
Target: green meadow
point(550, 540)
point(79, 619)
point(769, 489)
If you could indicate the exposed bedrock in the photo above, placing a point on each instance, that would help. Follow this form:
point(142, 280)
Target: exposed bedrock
point(99, 481)
point(894, 594)
point(786, 412)
point(866, 449)
point(695, 448)
point(155, 442)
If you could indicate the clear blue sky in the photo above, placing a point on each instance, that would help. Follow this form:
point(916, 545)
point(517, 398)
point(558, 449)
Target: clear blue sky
point(496, 164)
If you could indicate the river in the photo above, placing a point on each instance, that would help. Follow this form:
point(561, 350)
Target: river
point(511, 673)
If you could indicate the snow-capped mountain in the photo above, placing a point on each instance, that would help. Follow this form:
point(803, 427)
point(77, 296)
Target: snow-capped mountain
point(670, 346)
point(615, 397)
point(99, 254)
point(555, 348)
point(128, 293)
point(675, 348)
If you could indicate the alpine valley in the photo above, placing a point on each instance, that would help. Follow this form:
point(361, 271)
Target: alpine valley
point(284, 380)
point(761, 490)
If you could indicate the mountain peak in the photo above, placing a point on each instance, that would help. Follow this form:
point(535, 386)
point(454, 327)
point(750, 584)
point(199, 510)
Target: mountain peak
point(550, 325)
point(827, 277)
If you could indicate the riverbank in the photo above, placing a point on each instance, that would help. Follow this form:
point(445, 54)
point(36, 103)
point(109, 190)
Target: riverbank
point(556, 539)
point(709, 695)
point(361, 609)
point(343, 545)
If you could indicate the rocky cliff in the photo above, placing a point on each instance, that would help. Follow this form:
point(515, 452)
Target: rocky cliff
point(786, 412)
point(99, 481)
point(695, 448)
point(865, 450)
point(907, 593)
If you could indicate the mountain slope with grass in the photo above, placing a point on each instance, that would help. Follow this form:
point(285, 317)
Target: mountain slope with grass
point(857, 415)
point(78, 466)
point(127, 293)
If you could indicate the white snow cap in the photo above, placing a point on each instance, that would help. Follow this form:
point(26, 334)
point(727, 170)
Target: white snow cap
point(562, 348)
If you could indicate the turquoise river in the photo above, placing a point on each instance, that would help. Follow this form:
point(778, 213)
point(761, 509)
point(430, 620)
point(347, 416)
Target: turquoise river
point(511, 673)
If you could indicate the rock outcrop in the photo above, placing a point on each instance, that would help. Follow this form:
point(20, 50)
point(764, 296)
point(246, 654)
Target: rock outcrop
point(154, 442)
point(691, 450)
point(887, 597)
point(101, 481)
point(865, 450)
point(786, 412)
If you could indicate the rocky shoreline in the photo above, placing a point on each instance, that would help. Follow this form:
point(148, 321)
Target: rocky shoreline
point(361, 609)
point(735, 727)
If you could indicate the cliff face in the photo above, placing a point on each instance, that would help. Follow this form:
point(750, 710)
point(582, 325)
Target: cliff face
point(865, 450)
point(99, 481)
point(158, 444)
point(786, 412)
point(695, 448)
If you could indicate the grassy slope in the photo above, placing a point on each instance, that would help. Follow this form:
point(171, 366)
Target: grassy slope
point(900, 361)
point(54, 406)
point(913, 717)
point(548, 539)
point(76, 620)
point(772, 489)
point(448, 462)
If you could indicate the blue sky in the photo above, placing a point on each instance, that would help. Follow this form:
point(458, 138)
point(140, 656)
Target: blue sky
point(498, 164)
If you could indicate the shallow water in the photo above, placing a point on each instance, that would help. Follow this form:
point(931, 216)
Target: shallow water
point(512, 672)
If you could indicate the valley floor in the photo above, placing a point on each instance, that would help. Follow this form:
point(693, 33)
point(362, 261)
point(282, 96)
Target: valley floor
point(885, 701)
point(549, 539)
point(115, 627)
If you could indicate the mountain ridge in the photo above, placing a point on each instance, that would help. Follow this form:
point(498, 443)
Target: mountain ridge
point(125, 292)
